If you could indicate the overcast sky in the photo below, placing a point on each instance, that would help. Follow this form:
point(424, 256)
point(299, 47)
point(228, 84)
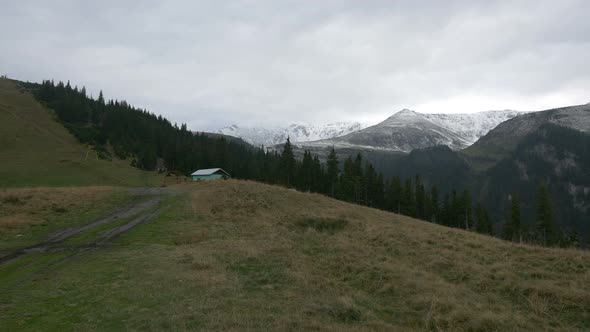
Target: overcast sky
point(214, 63)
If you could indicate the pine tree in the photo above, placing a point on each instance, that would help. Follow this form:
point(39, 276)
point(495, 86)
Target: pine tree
point(369, 185)
point(318, 176)
point(100, 98)
point(456, 211)
point(545, 222)
point(306, 171)
point(434, 214)
point(347, 186)
point(332, 170)
point(420, 198)
point(288, 163)
point(394, 195)
point(513, 227)
point(445, 213)
point(409, 199)
point(357, 172)
point(483, 224)
point(466, 213)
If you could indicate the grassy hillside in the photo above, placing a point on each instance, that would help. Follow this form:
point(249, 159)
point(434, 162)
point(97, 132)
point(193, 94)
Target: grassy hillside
point(35, 150)
point(241, 255)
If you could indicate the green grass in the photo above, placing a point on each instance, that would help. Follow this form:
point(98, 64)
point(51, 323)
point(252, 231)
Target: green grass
point(258, 274)
point(36, 150)
point(238, 255)
point(28, 216)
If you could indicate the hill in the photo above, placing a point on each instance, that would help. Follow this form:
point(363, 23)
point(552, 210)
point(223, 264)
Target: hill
point(37, 150)
point(237, 255)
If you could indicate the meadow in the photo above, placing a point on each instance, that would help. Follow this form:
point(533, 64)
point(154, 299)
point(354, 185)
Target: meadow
point(239, 255)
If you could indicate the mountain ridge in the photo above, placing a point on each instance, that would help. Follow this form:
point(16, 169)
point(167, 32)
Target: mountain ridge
point(407, 130)
point(297, 132)
point(504, 138)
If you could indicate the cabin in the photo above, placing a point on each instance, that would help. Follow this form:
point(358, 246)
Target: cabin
point(210, 174)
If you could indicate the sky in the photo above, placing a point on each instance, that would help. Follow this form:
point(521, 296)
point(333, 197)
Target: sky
point(270, 62)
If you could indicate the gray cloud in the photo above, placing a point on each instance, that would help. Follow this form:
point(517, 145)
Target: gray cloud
point(266, 62)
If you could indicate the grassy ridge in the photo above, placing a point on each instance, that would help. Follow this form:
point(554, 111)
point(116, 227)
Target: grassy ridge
point(35, 150)
point(245, 256)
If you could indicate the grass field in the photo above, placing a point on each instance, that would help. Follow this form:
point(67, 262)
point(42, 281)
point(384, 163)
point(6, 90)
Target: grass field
point(235, 255)
point(28, 215)
point(36, 150)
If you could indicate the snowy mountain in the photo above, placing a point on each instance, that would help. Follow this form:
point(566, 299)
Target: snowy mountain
point(297, 132)
point(407, 130)
point(503, 139)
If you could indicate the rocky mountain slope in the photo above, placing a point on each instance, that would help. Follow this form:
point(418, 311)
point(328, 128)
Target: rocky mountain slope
point(407, 130)
point(503, 139)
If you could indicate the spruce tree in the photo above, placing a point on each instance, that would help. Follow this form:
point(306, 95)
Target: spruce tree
point(306, 171)
point(456, 211)
point(435, 204)
point(100, 98)
point(357, 172)
point(545, 222)
point(466, 209)
point(380, 192)
point(287, 163)
point(445, 213)
point(483, 223)
point(420, 198)
point(395, 193)
point(332, 170)
point(409, 199)
point(347, 183)
point(513, 227)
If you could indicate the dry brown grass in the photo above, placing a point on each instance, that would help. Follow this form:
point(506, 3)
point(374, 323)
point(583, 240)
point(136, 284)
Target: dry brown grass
point(26, 214)
point(236, 255)
point(380, 271)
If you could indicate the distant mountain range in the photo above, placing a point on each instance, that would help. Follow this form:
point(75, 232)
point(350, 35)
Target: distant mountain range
point(404, 131)
point(407, 130)
point(297, 132)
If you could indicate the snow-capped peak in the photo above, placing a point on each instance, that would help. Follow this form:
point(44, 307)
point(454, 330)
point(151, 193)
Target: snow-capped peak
point(404, 131)
point(407, 130)
point(405, 111)
point(297, 132)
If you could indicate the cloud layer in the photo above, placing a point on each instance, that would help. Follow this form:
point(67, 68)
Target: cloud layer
point(210, 64)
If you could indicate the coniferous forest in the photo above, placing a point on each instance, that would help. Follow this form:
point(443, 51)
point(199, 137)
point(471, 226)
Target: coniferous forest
point(150, 142)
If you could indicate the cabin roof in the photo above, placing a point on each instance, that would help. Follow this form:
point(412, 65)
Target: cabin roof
point(209, 171)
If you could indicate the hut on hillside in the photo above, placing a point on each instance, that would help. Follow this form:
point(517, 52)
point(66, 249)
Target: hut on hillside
point(210, 174)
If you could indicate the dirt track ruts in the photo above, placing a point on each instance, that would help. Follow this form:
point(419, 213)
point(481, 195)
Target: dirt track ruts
point(143, 209)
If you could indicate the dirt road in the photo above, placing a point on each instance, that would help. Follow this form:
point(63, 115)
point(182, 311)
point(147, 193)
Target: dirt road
point(145, 207)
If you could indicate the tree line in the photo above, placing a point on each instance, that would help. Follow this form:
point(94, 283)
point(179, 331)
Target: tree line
point(543, 231)
point(152, 142)
point(358, 182)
